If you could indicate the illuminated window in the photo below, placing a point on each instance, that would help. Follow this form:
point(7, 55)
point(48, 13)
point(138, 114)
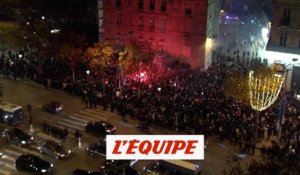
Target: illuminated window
point(119, 18)
point(118, 3)
point(152, 5)
point(141, 22)
point(283, 38)
point(163, 5)
point(141, 4)
point(151, 22)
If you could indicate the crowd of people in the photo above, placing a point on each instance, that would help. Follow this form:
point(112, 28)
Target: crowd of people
point(183, 100)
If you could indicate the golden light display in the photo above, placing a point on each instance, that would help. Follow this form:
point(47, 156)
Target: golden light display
point(264, 89)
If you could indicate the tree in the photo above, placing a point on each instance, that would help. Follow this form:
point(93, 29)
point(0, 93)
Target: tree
point(71, 51)
point(236, 87)
point(132, 59)
point(10, 35)
point(101, 55)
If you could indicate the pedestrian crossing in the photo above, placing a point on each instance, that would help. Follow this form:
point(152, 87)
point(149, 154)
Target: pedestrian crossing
point(11, 153)
point(78, 120)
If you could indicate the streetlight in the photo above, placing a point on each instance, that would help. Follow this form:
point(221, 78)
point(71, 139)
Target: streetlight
point(88, 72)
point(159, 89)
point(20, 55)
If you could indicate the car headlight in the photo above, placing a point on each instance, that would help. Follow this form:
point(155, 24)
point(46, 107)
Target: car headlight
point(43, 170)
point(6, 116)
point(23, 142)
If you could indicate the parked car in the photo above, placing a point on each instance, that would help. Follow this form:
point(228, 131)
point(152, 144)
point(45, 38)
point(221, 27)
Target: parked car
point(54, 149)
point(84, 172)
point(17, 136)
point(100, 128)
point(97, 149)
point(53, 107)
point(33, 164)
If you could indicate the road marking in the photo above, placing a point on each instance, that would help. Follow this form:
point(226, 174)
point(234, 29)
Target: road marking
point(89, 118)
point(12, 159)
point(105, 112)
point(99, 113)
point(92, 115)
point(12, 152)
point(70, 125)
point(10, 166)
point(78, 119)
point(73, 122)
point(24, 150)
point(4, 172)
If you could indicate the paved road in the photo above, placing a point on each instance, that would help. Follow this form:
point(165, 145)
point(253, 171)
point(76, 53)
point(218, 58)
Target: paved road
point(74, 117)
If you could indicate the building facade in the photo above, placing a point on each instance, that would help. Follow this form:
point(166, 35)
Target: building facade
point(284, 42)
point(177, 27)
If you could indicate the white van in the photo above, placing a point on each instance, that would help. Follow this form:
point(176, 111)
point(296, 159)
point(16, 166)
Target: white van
point(10, 113)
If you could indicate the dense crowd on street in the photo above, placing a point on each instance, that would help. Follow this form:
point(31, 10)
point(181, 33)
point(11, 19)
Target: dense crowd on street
point(183, 100)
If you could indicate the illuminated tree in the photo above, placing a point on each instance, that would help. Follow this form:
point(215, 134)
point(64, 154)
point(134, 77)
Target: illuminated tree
point(101, 55)
point(133, 58)
point(264, 87)
point(236, 87)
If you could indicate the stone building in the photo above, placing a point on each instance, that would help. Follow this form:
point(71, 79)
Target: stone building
point(177, 27)
point(284, 42)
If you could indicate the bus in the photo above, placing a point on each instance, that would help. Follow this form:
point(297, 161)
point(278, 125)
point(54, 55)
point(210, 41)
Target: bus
point(173, 167)
point(10, 113)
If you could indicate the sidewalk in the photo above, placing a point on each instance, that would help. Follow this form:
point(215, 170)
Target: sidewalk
point(35, 84)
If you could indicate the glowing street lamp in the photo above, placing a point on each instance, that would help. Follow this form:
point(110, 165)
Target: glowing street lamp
point(88, 72)
point(20, 55)
point(159, 89)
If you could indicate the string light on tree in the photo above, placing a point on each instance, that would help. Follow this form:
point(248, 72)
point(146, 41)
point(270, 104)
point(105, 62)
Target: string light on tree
point(264, 89)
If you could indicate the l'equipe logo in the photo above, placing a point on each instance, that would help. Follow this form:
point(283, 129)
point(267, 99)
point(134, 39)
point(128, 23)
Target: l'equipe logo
point(155, 147)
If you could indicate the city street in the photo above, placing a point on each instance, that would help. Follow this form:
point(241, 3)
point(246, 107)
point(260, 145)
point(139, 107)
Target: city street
point(74, 116)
